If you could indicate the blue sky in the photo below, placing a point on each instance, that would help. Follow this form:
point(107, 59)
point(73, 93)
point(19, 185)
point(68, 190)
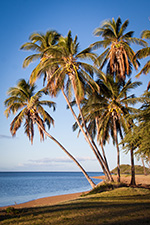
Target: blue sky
point(20, 18)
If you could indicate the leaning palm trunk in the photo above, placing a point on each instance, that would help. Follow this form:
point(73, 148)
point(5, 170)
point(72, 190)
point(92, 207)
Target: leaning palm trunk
point(86, 138)
point(60, 145)
point(103, 152)
point(86, 135)
point(102, 161)
point(102, 147)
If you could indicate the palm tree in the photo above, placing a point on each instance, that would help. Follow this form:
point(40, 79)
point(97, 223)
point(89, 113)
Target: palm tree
point(143, 53)
point(23, 99)
point(109, 109)
point(40, 42)
point(73, 74)
point(118, 55)
point(139, 137)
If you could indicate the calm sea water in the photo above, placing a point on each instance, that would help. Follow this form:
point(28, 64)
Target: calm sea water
point(19, 187)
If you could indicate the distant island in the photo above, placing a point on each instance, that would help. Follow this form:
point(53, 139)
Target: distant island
point(126, 169)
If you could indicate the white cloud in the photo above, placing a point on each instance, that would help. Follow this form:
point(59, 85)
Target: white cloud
point(46, 161)
point(54, 161)
point(83, 159)
point(60, 160)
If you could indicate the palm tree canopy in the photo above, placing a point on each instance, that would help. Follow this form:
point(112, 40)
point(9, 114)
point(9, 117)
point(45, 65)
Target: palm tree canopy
point(143, 53)
point(118, 53)
point(140, 133)
point(71, 66)
point(28, 106)
point(39, 42)
point(111, 103)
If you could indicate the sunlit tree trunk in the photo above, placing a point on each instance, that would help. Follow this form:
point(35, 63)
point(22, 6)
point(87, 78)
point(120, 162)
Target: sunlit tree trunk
point(60, 145)
point(103, 151)
point(117, 146)
point(132, 183)
point(88, 137)
point(85, 136)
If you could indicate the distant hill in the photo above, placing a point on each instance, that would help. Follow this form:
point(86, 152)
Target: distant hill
point(126, 169)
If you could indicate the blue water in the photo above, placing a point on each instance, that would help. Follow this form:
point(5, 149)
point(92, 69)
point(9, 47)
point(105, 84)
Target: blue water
point(20, 187)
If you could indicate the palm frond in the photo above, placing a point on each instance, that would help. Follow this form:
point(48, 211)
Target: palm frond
point(123, 28)
point(103, 58)
point(30, 59)
point(127, 35)
point(145, 69)
point(37, 72)
point(146, 34)
point(128, 87)
point(87, 55)
point(137, 41)
point(48, 103)
point(17, 121)
point(142, 53)
point(117, 25)
point(31, 46)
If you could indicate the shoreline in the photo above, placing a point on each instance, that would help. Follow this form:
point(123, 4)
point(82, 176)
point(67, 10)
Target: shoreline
point(141, 181)
point(46, 201)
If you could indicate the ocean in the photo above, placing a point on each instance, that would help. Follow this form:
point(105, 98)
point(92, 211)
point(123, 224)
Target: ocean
point(20, 187)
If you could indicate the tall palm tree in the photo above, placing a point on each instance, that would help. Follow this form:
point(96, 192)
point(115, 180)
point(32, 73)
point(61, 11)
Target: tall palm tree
point(23, 99)
point(72, 74)
point(109, 109)
point(143, 53)
point(118, 55)
point(39, 42)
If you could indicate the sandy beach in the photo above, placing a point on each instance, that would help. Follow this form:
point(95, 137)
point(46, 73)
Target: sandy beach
point(141, 181)
point(46, 201)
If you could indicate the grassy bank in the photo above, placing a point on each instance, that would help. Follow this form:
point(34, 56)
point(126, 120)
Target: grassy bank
point(124, 205)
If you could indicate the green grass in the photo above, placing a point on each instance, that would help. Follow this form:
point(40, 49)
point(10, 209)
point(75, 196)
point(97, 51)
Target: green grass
point(120, 206)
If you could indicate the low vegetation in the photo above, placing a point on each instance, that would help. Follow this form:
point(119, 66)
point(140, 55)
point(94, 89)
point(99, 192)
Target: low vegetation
point(106, 187)
point(126, 169)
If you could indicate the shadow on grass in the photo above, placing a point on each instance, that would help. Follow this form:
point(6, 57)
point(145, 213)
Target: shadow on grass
point(87, 211)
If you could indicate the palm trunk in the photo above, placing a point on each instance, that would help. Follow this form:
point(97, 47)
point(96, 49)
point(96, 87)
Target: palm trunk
point(60, 145)
point(132, 182)
point(103, 152)
point(118, 162)
point(102, 147)
point(117, 146)
point(87, 135)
